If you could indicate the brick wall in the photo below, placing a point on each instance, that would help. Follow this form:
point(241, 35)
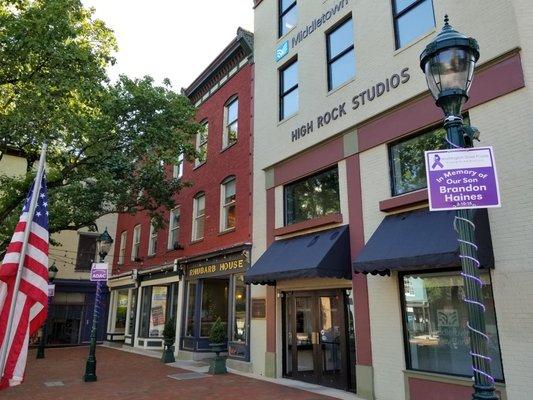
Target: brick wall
point(235, 160)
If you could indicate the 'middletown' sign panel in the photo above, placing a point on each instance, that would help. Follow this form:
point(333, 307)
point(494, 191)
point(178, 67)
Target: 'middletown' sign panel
point(358, 100)
point(283, 49)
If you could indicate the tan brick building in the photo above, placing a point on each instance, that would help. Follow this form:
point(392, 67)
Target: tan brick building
point(340, 105)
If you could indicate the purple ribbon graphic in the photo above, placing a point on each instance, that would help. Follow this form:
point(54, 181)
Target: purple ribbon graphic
point(437, 162)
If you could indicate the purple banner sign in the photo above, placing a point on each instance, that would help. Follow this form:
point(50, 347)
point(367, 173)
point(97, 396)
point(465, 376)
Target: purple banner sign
point(462, 178)
point(99, 272)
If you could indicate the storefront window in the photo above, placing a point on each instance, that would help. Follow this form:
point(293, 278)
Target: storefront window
point(157, 303)
point(407, 160)
point(239, 311)
point(435, 317)
point(214, 303)
point(191, 302)
point(122, 309)
point(312, 197)
point(407, 166)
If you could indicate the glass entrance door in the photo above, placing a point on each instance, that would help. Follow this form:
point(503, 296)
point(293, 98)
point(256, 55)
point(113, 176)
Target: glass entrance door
point(305, 335)
point(331, 340)
point(316, 338)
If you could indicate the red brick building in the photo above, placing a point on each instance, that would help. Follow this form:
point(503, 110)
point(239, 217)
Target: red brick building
point(193, 269)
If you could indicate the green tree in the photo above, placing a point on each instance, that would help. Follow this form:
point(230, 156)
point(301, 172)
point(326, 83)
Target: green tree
point(110, 145)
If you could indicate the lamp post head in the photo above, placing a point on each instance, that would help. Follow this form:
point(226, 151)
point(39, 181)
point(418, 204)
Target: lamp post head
point(52, 272)
point(448, 63)
point(104, 242)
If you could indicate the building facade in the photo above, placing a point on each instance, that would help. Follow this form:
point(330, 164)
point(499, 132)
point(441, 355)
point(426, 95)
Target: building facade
point(71, 308)
point(366, 298)
point(193, 269)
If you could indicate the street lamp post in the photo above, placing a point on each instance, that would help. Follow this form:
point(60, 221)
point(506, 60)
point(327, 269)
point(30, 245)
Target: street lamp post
point(104, 243)
point(448, 63)
point(52, 272)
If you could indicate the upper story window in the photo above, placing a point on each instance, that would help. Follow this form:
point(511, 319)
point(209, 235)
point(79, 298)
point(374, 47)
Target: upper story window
point(177, 171)
point(122, 248)
point(198, 221)
point(412, 18)
point(312, 197)
point(228, 206)
point(288, 96)
point(86, 251)
point(174, 229)
point(341, 55)
point(201, 144)
point(136, 244)
point(152, 245)
point(288, 16)
point(406, 158)
point(435, 319)
point(231, 128)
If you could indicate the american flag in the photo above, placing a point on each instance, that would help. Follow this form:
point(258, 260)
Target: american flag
point(32, 301)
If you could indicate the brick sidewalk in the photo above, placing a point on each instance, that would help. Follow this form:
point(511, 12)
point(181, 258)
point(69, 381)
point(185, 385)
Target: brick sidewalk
point(130, 376)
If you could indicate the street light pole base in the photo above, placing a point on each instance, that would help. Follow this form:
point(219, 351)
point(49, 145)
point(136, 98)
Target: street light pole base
point(40, 353)
point(90, 371)
point(484, 393)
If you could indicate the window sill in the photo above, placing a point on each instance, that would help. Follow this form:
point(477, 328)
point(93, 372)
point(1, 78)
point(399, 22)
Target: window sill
point(229, 146)
point(445, 378)
point(177, 249)
point(340, 87)
point(414, 41)
point(285, 35)
point(287, 118)
point(404, 200)
point(225, 232)
point(196, 166)
point(309, 224)
point(197, 241)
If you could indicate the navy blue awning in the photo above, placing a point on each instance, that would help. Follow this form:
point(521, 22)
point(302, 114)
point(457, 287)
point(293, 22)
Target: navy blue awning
point(320, 254)
point(419, 240)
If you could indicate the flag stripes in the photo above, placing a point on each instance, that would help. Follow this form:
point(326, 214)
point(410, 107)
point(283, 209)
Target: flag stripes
point(32, 297)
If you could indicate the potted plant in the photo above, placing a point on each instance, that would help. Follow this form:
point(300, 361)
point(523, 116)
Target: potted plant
point(169, 335)
point(217, 338)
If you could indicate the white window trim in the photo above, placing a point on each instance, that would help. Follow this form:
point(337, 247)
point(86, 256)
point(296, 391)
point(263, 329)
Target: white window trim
point(135, 246)
point(177, 171)
point(224, 206)
point(170, 245)
point(199, 144)
point(196, 217)
point(152, 243)
point(122, 248)
point(227, 123)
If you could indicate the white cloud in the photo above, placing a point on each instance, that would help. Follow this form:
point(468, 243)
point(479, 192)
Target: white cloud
point(173, 39)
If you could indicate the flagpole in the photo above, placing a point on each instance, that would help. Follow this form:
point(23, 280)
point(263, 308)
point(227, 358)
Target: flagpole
point(29, 221)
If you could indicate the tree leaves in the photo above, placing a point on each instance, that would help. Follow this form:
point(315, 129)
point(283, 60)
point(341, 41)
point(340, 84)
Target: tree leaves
point(110, 145)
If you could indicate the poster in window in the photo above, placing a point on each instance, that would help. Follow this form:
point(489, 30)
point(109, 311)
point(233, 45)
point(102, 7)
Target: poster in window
point(158, 310)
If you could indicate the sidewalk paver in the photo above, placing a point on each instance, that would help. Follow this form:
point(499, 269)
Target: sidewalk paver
point(123, 375)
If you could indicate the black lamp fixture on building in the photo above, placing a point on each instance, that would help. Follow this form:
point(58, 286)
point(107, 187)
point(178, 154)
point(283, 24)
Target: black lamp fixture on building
point(52, 273)
point(448, 63)
point(104, 243)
